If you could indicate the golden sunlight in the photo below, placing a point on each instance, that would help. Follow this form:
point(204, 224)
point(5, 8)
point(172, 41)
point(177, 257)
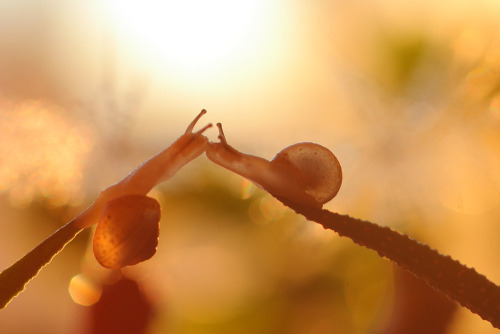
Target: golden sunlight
point(43, 154)
point(83, 291)
point(191, 35)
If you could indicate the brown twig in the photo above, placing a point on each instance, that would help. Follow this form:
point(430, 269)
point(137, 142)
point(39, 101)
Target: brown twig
point(14, 279)
point(460, 283)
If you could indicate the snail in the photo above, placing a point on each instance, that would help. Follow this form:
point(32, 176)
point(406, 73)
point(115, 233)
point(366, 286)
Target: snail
point(128, 228)
point(305, 173)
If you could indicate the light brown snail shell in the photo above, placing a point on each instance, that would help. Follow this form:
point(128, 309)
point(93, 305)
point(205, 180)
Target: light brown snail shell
point(319, 169)
point(127, 232)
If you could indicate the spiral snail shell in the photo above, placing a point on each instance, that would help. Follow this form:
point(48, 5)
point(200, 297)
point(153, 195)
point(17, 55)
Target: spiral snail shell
point(127, 232)
point(305, 173)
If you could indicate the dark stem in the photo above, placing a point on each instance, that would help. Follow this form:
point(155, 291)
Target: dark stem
point(14, 279)
point(448, 276)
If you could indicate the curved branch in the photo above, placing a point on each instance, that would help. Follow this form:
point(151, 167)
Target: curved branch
point(446, 275)
point(14, 279)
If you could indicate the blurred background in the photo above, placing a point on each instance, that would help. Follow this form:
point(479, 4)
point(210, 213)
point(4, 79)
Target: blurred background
point(405, 93)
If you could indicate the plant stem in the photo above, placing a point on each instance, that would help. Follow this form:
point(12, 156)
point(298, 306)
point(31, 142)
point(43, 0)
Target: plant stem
point(460, 283)
point(14, 279)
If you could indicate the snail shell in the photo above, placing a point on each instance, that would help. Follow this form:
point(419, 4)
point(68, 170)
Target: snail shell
point(127, 232)
point(319, 169)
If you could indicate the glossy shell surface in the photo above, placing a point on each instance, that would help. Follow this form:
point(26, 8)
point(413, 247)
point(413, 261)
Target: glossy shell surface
point(318, 168)
point(127, 232)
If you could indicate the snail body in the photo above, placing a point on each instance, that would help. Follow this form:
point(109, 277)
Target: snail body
point(157, 169)
point(305, 173)
point(128, 221)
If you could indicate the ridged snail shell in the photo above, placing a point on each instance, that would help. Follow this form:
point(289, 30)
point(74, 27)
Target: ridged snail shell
point(318, 167)
point(127, 232)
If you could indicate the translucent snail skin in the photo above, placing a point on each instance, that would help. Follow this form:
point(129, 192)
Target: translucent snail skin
point(128, 222)
point(159, 168)
point(304, 173)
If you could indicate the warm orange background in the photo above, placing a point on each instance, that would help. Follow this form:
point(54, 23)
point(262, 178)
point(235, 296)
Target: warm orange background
point(406, 94)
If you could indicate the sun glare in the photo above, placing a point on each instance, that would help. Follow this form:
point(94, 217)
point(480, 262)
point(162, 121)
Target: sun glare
point(42, 153)
point(190, 35)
